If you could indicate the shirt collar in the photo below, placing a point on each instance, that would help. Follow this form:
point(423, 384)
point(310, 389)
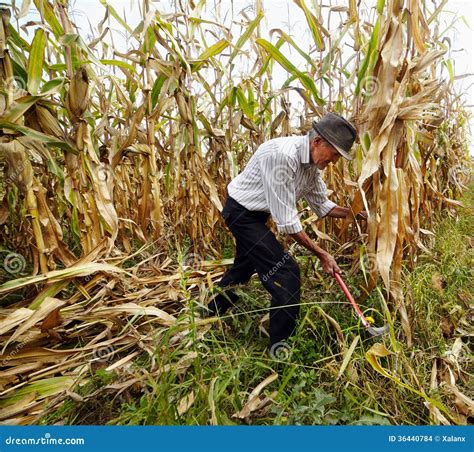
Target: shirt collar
point(304, 149)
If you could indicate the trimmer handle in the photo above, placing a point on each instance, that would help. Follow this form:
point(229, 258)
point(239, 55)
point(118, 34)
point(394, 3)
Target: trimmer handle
point(350, 298)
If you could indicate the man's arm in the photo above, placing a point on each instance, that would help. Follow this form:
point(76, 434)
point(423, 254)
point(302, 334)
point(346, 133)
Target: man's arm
point(342, 212)
point(327, 261)
point(338, 212)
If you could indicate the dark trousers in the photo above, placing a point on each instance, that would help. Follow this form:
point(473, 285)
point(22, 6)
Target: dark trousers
point(259, 251)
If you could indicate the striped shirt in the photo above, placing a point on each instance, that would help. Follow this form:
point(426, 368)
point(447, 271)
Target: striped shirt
point(277, 175)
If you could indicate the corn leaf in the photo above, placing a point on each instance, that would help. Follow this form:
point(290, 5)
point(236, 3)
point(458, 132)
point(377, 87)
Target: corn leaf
point(46, 10)
point(380, 6)
point(244, 104)
point(42, 388)
point(19, 108)
point(58, 275)
point(371, 50)
point(35, 61)
point(16, 39)
point(116, 16)
point(246, 35)
point(305, 79)
point(155, 91)
point(347, 356)
point(449, 66)
point(313, 23)
point(210, 52)
point(119, 63)
point(290, 41)
point(44, 138)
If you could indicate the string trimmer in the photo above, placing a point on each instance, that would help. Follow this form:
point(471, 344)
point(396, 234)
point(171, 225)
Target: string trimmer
point(372, 330)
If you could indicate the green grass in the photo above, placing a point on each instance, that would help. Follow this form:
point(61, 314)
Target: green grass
point(230, 359)
point(442, 285)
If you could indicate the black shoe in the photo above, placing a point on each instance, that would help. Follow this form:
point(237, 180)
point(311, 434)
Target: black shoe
point(223, 301)
point(218, 306)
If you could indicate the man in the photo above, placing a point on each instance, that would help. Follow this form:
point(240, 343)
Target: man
point(279, 173)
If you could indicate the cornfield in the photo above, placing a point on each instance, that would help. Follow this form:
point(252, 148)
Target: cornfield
point(115, 165)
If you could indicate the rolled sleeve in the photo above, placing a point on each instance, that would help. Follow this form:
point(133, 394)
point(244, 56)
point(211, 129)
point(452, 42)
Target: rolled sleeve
point(318, 200)
point(323, 209)
point(279, 185)
point(291, 228)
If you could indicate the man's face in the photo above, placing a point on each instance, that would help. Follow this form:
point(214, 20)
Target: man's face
point(322, 153)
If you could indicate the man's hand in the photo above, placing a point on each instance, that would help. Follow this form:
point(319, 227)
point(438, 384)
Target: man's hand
point(327, 261)
point(343, 212)
point(329, 264)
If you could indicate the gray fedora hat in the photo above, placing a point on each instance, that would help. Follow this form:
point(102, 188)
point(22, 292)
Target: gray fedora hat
point(338, 131)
